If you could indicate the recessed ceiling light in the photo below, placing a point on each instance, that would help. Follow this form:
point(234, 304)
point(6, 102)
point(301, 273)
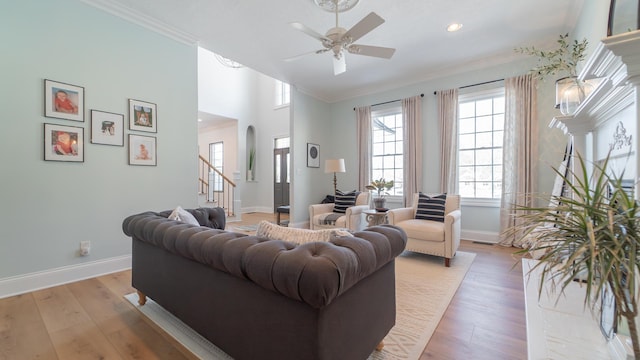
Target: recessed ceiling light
point(454, 27)
point(199, 120)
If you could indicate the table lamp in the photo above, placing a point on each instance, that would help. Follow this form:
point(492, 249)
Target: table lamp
point(334, 166)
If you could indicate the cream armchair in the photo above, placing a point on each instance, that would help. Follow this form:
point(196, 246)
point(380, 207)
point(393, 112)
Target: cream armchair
point(427, 236)
point(321, 216)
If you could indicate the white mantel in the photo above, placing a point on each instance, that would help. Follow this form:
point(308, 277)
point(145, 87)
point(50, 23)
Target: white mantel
point(614, 68)
point(608, 119)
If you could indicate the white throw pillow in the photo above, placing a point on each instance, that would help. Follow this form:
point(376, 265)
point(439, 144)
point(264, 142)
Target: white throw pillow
point(183, 215)
point(298, 236)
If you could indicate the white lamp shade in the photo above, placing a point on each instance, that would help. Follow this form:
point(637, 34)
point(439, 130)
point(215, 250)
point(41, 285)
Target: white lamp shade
point(334, 166)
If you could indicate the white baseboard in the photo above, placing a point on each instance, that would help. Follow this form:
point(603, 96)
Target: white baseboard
point(259, 209)
point(21, 284)
point(480, 236)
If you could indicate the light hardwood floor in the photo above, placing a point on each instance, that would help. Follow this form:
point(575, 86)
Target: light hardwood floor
point(90, 319)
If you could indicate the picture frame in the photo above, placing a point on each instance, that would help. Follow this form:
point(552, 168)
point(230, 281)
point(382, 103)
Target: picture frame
point(63, 101)
point(313, 155)
point(624, 16)
point(63, 143)
point(143, 116)
point(142, 150)
point(107, 128)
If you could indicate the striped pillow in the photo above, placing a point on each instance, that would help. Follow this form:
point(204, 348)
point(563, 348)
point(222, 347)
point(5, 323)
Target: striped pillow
point(431, 207)
point(344, 201)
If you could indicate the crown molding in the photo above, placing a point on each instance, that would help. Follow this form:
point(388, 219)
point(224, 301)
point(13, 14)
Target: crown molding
point(144, 20)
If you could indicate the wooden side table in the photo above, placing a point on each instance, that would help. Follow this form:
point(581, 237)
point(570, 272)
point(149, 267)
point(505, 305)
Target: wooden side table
point(375, 217)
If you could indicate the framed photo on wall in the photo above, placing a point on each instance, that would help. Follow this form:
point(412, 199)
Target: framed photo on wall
point(107, 128)
point(142, 150)
point(313, 155)
point(63, 101)
point(143, 116)
point(63, 143)
point(624, 16)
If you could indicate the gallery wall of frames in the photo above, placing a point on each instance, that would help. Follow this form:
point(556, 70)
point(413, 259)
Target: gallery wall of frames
point(66, 142)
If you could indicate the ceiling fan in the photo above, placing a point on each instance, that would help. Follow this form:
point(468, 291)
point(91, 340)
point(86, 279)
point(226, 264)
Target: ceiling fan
point(338, 39)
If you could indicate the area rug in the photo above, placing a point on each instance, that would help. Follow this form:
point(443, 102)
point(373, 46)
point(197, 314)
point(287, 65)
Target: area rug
point(424, 288)
point(245, 228)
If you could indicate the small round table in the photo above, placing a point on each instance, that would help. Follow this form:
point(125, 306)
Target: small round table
point(375, 217)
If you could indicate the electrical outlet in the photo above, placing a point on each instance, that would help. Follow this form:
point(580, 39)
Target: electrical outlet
point(85, 248)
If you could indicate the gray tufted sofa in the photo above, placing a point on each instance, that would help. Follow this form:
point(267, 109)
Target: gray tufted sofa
point(257, 298)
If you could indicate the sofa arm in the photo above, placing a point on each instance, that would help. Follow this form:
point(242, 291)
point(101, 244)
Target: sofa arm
point(355, 217)
point(317, 209)
point(452, 232)
point(394, 216)
point(356, 210)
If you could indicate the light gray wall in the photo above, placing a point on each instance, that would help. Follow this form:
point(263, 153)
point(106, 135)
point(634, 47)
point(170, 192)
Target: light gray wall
point(592, 23)
point(49, 207)
point(310, 123)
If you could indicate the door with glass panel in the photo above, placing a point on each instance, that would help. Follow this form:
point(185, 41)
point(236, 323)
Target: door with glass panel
point(281, 174)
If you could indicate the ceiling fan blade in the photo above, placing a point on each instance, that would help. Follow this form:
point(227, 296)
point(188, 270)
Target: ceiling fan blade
point(339, 65)
point(293, 58)
point(307, 30)
point(377, 51)
point(365, 25)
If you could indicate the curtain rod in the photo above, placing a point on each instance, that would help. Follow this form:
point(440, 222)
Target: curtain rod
point(478, 84)
point(389, 102)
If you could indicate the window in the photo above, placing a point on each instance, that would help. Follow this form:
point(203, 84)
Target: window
point(282, 143)
point(387, 147)
point(480, 132)
point(216, 158)
point(283, 93)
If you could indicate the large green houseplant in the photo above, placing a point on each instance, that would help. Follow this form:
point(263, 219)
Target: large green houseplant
point(593, 234)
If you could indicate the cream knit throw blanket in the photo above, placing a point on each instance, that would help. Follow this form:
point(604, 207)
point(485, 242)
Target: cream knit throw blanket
point(295, 235)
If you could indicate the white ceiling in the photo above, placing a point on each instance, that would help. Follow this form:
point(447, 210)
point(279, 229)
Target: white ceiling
point(257, 33)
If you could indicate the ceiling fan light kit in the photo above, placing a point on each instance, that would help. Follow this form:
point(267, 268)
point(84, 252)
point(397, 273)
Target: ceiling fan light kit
point(331, 5)
point(338, 39)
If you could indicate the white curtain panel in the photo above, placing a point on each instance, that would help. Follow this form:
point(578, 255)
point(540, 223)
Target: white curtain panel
point(520, 152)
point(363, 128)
point(412, 126)
point(448, 119)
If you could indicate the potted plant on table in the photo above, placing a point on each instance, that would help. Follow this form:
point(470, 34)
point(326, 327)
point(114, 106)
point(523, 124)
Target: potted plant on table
point(592, 234)
point(570, 92)
point(381, 186)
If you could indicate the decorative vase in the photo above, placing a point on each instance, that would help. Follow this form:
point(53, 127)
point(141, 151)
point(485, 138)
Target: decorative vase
point(573, 95)
point(561, 85)
point(379, 202)
point(249, 175)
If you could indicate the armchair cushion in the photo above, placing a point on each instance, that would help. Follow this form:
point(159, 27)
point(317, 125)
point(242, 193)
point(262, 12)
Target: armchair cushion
point(424, 230)
point(344, 201)
point(431, 207)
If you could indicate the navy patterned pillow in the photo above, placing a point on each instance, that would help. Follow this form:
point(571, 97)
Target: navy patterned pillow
point(344, 201)
point(431, 207)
